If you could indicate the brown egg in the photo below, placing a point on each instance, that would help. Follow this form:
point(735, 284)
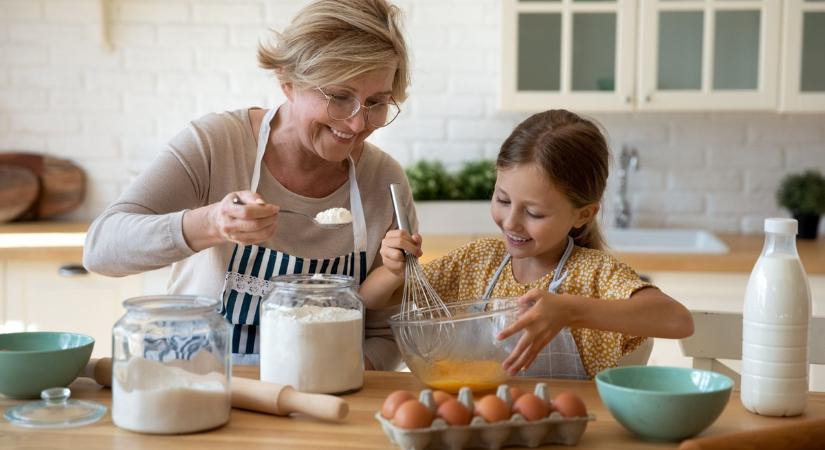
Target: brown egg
point(440, 397)
point(412, 414)
point(492, 409)
point(516, 393)
point(454, 413)
point(569, 404)
point(393, 401)
point(531, 407)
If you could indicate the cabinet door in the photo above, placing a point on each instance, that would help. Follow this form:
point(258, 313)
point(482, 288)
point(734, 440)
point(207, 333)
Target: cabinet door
point(40, 299)
point(708, 55)
point(576, 54)
point(803, 74)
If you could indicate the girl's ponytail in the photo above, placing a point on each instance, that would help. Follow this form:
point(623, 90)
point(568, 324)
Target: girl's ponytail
point(589, 236)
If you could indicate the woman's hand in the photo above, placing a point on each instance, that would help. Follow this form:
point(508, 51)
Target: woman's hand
point(392, 250)
point(542, 315)
point(247, 220)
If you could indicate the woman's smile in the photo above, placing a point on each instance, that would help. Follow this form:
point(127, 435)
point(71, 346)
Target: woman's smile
point(341, 136)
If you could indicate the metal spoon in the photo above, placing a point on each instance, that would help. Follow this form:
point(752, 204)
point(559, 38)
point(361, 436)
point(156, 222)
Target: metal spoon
point(238, 201)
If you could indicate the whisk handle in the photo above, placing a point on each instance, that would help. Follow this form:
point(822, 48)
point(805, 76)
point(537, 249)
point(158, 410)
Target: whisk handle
point(400, 216)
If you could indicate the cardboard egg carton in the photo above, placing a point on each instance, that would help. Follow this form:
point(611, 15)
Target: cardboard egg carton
point(516, 431)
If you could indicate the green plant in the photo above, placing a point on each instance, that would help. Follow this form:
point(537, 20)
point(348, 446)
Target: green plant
point(430, 180)
point(802, 193)
point(476, 180)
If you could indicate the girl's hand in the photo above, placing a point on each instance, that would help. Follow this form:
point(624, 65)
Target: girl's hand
point(541, 316)
point(247, 220)
point(392, 250)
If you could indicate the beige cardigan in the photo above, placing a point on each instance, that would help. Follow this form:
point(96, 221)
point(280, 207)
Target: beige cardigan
point(213, 156)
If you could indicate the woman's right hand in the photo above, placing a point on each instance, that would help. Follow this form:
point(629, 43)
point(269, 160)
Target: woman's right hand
point(392, 250)
point(247, 220)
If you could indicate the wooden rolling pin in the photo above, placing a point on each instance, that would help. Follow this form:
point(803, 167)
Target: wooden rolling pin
point(254, 395)
point(798, 435)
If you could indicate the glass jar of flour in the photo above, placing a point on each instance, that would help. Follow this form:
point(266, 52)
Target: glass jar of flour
point(170, 365)
point(312, 332)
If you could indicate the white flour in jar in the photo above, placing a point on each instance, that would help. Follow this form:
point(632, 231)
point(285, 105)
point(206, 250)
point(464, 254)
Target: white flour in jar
point(334, 216)
point(312, 348)
point(150, 397)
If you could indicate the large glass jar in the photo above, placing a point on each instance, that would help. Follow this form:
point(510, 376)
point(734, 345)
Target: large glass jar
point(312, 333)
point(170, 365)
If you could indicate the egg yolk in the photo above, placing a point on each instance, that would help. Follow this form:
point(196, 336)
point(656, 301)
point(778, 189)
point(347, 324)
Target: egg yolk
point(452, 375)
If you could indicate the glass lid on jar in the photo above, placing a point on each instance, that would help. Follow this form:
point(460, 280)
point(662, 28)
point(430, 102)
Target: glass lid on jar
point(56, 410)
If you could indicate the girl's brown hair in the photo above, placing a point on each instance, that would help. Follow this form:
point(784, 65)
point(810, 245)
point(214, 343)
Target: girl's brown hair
point(332, 41)
point(573, 153)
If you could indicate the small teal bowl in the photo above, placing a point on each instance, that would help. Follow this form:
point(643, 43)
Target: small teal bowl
point(664, 403)
point(37, 360)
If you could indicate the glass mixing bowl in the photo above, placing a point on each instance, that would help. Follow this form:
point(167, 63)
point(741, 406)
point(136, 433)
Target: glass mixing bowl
point(461, 350)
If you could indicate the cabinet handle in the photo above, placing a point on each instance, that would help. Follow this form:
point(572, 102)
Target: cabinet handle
point(628, 99)
point(648, 97)
point(72, 270)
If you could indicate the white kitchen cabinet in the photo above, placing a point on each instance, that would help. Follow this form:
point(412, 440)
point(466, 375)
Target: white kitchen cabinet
point(803, 51)
point(708, 55)
point(38, 298)
point(577, 54)
point(684, 55)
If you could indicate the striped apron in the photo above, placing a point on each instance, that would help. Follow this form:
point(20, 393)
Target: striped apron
point(251, 267)
point(560, 359)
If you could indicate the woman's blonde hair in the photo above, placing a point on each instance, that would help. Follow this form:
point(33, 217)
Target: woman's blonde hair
point(573, 153)
point(332, 41)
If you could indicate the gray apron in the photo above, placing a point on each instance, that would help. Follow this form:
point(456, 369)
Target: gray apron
point(560, 359)
point(251, 267)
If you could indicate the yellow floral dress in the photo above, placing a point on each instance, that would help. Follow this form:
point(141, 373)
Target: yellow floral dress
point(464, 273)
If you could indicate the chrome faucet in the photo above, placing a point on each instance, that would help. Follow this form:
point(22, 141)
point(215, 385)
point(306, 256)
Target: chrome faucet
point(628, 161)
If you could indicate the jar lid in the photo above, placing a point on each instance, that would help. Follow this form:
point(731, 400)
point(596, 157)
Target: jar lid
point(317, 281)
point(779, 225)
point(55, 411)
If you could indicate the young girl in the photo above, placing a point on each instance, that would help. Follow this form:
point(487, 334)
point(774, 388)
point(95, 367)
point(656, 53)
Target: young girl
point(589, 307)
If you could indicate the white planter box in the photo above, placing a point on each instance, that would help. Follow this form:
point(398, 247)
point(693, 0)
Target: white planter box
point(455, 217)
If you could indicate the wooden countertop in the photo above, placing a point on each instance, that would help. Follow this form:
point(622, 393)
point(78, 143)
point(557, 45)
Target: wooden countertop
point(360, 430)
point(744, 249)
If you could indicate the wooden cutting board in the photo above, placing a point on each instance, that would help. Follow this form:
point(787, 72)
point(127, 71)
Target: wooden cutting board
point(62, 184)
point(19, 188)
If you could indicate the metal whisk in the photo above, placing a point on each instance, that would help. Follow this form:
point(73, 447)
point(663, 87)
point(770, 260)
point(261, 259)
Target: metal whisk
point(419, 301)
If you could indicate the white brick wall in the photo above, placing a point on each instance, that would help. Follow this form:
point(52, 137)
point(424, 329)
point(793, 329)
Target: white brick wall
point(62, 93)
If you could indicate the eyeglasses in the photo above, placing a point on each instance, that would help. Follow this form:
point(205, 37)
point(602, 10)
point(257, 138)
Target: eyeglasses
point(343, 107)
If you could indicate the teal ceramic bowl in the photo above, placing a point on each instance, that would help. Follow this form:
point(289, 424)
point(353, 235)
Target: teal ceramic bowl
point(664, 403)
point(37, 360)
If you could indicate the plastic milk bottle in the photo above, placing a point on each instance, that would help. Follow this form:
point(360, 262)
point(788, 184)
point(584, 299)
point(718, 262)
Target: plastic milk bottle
point(776, 317)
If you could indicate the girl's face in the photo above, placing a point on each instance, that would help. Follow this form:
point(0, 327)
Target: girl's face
point(533, 214)
point(330, 139)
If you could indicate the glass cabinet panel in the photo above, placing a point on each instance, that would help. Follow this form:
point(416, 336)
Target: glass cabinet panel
point(736, 50)
point(594, 52)
point(539, 52)
point(813, 52)
point(680, 50)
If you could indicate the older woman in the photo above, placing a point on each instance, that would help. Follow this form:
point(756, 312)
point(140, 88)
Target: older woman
point(211, 203)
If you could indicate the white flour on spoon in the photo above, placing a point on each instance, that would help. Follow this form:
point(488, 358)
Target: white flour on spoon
point(334, 216)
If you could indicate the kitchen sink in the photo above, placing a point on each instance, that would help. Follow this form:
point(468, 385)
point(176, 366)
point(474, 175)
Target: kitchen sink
point(663, 240)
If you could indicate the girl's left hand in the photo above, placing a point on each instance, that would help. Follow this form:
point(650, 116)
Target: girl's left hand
point(542, 317)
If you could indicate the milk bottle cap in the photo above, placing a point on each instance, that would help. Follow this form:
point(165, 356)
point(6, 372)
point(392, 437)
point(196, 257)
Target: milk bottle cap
point(777, 225)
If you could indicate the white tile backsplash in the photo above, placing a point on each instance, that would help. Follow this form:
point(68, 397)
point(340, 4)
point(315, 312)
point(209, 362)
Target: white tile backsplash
point(63, 93)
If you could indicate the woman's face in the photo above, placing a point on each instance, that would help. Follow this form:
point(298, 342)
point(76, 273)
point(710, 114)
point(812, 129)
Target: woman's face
point(330, 139)
point(534, 216)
